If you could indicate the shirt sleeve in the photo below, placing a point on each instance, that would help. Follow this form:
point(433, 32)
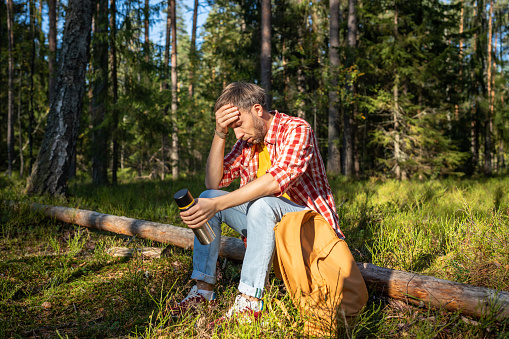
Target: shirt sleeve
point(232, 165)
point(294, 158)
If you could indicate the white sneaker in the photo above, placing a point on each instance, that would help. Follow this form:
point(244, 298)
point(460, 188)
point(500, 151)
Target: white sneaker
point(191, 303)
point(242, 311)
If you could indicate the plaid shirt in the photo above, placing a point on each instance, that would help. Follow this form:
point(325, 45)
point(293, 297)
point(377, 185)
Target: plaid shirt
point(296, 165)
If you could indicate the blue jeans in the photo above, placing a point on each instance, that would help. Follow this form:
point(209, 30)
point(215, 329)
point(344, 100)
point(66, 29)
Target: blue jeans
point(255, 220)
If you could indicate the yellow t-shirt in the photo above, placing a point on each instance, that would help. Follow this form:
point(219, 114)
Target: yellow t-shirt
point(264, 162)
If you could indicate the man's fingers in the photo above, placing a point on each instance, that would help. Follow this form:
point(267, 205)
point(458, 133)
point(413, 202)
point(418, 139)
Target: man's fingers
point(193, 217)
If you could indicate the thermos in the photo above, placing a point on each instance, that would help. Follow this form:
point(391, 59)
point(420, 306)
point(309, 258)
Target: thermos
point(185, 201)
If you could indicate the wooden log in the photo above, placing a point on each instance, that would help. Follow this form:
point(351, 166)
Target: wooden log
point(145, 252)
point(179, 236)
point(410, 287)
point(437, 293)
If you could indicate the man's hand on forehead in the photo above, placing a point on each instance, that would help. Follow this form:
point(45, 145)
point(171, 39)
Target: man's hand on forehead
point(226, 117)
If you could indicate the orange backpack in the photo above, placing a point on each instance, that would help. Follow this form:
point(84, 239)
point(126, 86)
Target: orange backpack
point(319, 272)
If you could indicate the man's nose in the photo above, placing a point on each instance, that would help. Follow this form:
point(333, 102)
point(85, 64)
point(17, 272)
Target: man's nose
point(238, 133)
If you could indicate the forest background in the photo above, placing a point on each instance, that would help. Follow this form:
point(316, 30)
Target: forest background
point(404, 89)
point(91, 107)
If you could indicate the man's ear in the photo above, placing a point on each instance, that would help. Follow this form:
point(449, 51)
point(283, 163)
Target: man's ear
point(257, 109)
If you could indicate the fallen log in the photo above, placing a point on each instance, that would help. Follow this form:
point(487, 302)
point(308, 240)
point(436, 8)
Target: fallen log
point(412, 288)
point(182, 237)
point(437, 293)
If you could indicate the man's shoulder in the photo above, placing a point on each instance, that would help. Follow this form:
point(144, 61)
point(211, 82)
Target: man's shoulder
point(291, 122)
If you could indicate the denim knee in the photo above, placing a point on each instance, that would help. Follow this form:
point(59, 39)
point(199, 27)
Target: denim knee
point(211, 194)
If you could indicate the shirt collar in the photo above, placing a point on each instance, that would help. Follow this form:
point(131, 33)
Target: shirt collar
point(270, 138)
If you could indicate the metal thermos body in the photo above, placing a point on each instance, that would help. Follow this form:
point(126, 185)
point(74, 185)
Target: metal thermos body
point(185, 201)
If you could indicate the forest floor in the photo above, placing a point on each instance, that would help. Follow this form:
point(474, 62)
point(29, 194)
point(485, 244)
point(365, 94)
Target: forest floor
point(59, 280)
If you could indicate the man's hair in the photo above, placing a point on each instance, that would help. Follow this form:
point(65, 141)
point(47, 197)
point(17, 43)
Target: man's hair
point(243, 95)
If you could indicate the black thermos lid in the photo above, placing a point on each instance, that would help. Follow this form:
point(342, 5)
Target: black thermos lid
point(183, 198)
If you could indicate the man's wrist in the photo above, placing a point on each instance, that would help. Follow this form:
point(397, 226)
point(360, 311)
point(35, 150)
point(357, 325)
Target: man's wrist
point(221, 134)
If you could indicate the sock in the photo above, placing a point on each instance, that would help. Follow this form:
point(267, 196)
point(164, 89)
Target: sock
point(209, 295)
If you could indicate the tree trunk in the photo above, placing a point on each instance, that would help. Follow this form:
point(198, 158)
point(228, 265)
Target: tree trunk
point(462, 19)
point(174, 93)
point(52, 41)
point(474, 121)
point(10, 100)
point(32, 72)
point(333, 156)
point(348, 123)
point(395, 112)
point(164, 139)
point(147, 33)
point(50, 173)
point(266, 56)
point(100, 95)
point(20, 131)
point(114, 89)
point(192, 50)
point(488, 166)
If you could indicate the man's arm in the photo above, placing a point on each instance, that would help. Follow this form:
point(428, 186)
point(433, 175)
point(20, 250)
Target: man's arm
point(205, 209)
point(225, 116)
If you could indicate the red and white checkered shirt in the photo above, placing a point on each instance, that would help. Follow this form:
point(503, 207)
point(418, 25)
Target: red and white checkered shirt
point(296, 165)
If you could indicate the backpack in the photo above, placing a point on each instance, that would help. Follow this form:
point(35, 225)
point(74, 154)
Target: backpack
point(319, 272)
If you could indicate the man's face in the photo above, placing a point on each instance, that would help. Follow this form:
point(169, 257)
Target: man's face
point(250, 127)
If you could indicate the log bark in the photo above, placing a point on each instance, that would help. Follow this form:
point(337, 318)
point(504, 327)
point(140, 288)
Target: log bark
point(436, 293)
point(182, 237)
point(410, 287)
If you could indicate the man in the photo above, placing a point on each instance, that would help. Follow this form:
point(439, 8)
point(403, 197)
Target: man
point(281, 171)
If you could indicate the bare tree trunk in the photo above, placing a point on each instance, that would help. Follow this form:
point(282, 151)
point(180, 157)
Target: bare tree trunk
point(395, 111)
point(474, 124)
point(114, 89)
point(52, 40)
point(20, 131)
point(32, 71)
point(488, 166)
point(147, 38)
point(51, 169)
point(348, 123)
point(174, 93)
point(462, 16)
point(165, 86)
point(100, 95)
point(10, 102)
point(192, 51)
point(333, 156)
point(266, 56)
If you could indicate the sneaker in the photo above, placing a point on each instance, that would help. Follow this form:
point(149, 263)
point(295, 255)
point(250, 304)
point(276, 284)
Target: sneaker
point(191, 303)
point(242, 311)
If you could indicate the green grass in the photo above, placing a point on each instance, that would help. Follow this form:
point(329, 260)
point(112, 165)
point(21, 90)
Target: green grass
point(58, 280)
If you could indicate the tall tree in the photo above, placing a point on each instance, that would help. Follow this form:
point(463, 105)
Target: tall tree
point(488, 167)
point(348, 123)
point(114, 89)
point(192, 50)
point(333, 157)
point(52, 41)
point(51, 170)
point(32, 72)
point(10, 102)
point(266, 55)
point(166, 70)
point(398, 154)
point(146, 23)
point(174, 94)
point(100, 94)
